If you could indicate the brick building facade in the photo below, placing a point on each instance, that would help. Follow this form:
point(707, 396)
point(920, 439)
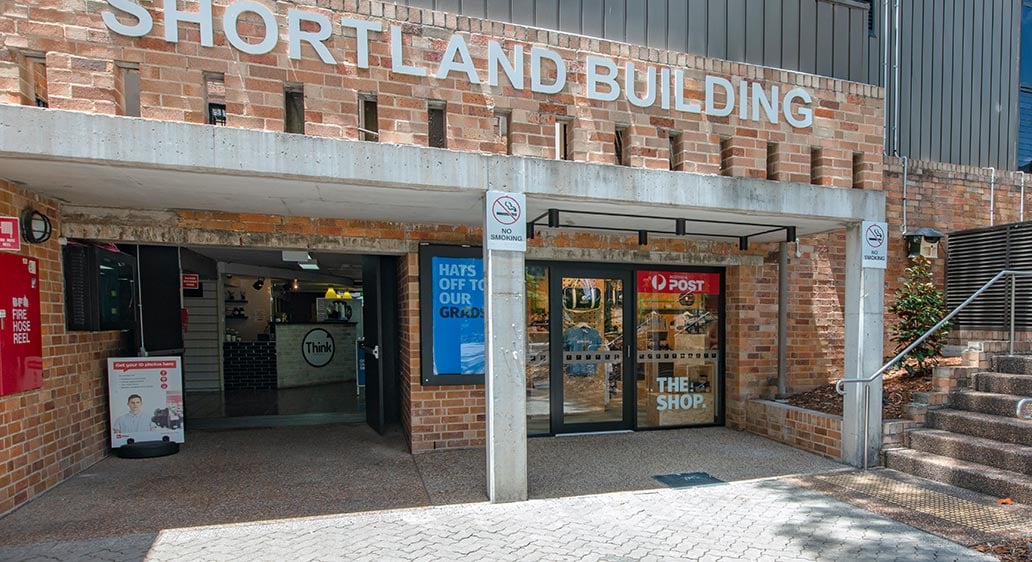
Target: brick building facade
point(84, 58)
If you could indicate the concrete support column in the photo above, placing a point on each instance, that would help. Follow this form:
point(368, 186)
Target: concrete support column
point(506, 374)
point(865, 289)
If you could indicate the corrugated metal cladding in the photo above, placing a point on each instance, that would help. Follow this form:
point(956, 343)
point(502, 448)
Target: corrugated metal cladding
point(958, 62)
point(827, 37)
point(958, 98)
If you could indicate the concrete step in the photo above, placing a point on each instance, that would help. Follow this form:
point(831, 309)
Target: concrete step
point(999, 428)
point(1015, 364)
point(1008, 456)
point(1004, 383)
point(973, 476)
point(1004, 405)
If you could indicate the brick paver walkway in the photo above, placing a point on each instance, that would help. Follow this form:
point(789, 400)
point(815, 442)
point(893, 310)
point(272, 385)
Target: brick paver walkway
point(763, 520)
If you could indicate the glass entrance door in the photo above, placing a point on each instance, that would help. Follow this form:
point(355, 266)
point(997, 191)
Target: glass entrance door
point(590, 390)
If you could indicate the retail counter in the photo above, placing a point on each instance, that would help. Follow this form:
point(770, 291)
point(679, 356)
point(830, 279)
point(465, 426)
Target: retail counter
point(315, 353)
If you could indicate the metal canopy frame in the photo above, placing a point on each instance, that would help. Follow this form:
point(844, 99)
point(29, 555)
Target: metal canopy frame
point(551, 219)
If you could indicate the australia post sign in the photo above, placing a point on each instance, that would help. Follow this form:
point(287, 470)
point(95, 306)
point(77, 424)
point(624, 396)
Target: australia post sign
point(679, 282)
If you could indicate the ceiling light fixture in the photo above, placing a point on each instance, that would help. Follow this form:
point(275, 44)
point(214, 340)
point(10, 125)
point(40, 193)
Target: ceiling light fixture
point(259, 284)
point(310, 264)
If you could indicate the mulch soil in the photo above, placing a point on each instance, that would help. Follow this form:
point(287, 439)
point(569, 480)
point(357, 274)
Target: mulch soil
point(897, 388)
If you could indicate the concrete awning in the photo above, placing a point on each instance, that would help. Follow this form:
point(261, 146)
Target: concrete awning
point(98, 160)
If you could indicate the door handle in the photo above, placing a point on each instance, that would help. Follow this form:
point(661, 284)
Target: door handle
point(375, 351)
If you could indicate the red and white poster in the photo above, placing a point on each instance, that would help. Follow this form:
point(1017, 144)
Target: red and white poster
point(679, 282)
point(9, 235)
point(21, 338)
point(146, 399)
point(191, 281)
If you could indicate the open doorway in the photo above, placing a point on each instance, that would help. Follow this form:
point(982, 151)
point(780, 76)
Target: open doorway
point(274, 338)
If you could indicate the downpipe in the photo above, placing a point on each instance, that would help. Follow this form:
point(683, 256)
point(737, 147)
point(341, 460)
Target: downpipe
point(992, 196)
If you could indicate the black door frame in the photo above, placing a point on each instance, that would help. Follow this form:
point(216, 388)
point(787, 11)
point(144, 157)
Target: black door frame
point(556, 269)
point(381, 349)
point(556, 382)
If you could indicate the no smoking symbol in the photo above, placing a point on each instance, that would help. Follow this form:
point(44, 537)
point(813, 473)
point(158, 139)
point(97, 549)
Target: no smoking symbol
point(875, 236)
point(506, 210)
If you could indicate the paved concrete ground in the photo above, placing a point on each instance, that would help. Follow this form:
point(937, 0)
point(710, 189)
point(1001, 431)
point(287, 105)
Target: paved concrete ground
point(764, 520)
point(285, 494)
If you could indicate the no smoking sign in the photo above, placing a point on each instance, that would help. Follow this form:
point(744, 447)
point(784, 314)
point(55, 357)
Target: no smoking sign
point(876, 246)
point(505, 223)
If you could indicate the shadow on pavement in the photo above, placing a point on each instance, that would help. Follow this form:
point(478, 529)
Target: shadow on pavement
point(261, 474)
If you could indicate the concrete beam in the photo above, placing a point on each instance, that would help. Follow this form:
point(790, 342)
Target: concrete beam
point(285, 170)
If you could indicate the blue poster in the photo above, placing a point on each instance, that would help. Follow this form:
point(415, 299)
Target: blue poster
point(458, 317)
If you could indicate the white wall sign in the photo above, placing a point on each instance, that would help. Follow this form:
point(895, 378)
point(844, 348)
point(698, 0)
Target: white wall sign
point(876, 244)
point(639, 84)
point(146, 399)
point(505, 226)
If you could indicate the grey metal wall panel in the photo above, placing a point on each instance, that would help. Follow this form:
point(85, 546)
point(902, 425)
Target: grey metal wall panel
point(657, 14)
point(570, 16)
point(452, 6)
point(928, 61)
point(908, 41)
point(790, 34)
point(546, 14)
point(857, 63)
point(772, 28)
point(995, 114)
point(825, 39)
point(1013, 106)
point(427, 4)
point(636, 15)
point(592, 14)
point(957, 93)
point(946, 53)
point(523, 12)
point(615, 19)
point(840, 49)
point(716, 29)
point(474, 8)
point(696, 17)
point(982, 114)
point(971, 39)
point(499, 10)
point(735, 23)
point(808, 35)
point(754, 24)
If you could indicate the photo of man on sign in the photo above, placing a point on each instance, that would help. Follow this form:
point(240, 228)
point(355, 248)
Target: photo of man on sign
point(134, 421)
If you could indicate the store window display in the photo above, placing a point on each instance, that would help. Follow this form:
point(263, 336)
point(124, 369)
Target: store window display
point(678, 341)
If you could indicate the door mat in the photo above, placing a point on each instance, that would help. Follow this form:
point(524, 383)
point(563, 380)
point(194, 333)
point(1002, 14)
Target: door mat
point(688, 479)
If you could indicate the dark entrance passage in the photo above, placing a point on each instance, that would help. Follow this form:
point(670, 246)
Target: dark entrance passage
point(278, 338)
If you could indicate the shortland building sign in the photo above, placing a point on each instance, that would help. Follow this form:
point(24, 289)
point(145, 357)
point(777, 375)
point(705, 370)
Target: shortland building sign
point(661, 85)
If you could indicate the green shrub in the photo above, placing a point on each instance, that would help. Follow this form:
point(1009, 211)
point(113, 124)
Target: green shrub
point(919, 306)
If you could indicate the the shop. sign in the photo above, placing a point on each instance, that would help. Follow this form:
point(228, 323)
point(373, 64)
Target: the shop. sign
point(605, 79)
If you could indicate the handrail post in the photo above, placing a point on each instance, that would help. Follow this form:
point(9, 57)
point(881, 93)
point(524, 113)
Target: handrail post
point(867, 422)
point(1013, 282)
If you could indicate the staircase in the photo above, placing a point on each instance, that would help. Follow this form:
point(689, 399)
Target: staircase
point(977, 441)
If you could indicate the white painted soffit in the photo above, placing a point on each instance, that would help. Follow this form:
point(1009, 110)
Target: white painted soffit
point(98, 160)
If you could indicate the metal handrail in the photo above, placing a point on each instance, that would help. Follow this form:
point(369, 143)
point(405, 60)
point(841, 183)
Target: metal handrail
point(840, 385)
point(1021, 405)
point(1014, 273)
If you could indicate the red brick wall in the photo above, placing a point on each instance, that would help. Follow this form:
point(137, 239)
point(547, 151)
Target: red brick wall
point(81, 75)
point(948, 198)
point(49, 434)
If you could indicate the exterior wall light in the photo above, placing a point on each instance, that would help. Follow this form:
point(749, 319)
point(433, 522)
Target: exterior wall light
point(923, 242)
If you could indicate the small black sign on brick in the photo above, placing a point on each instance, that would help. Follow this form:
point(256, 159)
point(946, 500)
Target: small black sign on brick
point(688, 479)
